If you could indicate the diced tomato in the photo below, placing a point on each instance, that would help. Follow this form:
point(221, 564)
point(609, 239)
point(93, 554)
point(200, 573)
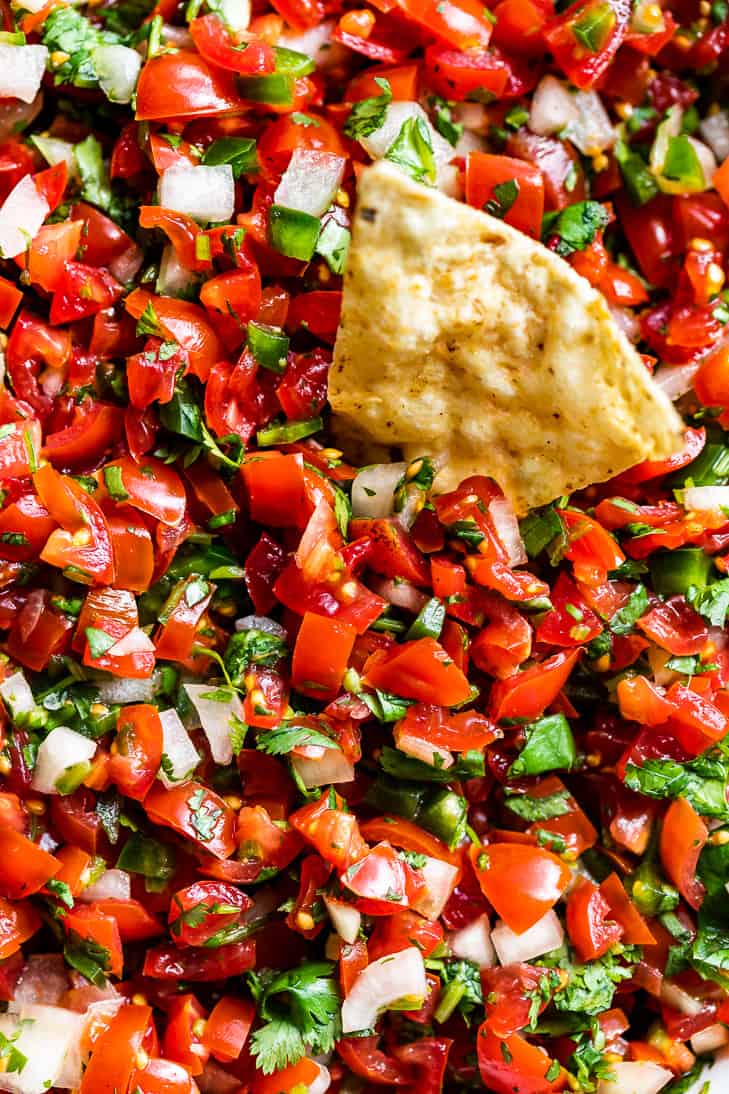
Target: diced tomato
point(508, 188)
point(521, 882)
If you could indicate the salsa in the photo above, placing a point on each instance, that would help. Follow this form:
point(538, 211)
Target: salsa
point(313, 777)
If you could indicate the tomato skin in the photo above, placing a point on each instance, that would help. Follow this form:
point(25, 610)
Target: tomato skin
point(456, 75)
point(572, 622)
point(83, 290)
point(185, 806)
point(154, 488)
point(76, 512)
point(521, 882)
point(133, 920)
point(362, 1056)
point(203, 896)
point(584, 67)
point(303, 388)
point(321, 653)
point(508, 992)
point(524, 1074)
point(18, 923)
point(334, 834)
point(382, 882)
point(185, 323)
point(220, 48)
point(485, 171)
point(94, 429)
point(529, 693)
point(676, 627)
point(169, 963)
point(228, 1027)
point(180, 1043)
point(591, 930)
point(137, 750)
point(14, 449)
point(636, 931)
point(89, 923)
point(113, 1057)
point(420, 670)
point(404, 833)
point(296, 1076)
point(24, 866)
point(683, 835)
point(183, 84)
point(562, 173)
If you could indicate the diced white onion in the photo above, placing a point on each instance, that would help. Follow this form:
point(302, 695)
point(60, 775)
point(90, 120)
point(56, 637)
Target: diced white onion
point(126, 266)
point(205, 193)
point(680, 1000)
point(421, 749)
point(675, 380)
point(474, 117)
point(394, 982)
point(473, 943)
point(440, 881)
point(552, 107)
point(120, 690)
point(322, 1082)
point(547, 934)
point(43, 980)
point(592, 131)
point(118, 70)
point(54, 150)
point(112, 885)
point(715, 131)
point(710, 1039)
point(174, 278)
point(507, 529)
point(373, 489)
point(706, 497)
point(182, 756)
point(21, 71)
point(635, 1077)
point(21, 218)
point(236, 13)
point(261, 623)
point(628, 322)
point(399, 593)
point(17, 696)
point(377, 144)
point(315, 43)
point(345, 919)
point(217, 717)
point(62, 749)
point(134, 641)
point(333, 767)
point(45, 1036)
point(310, 182)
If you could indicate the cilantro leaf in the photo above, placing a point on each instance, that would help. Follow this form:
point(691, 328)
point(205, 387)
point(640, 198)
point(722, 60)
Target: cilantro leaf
point(412, 151)
point(575, 227)
point(549, 746)
point(624, 620)
point(239, 152)
point(368, 115)
point(277, 1044)
point(67, 31)
point(537, 809)
point(301, 1008)
point(591, 987)
point(288, 736)
point(505, 194)
point(712, 602)
point(88, 957)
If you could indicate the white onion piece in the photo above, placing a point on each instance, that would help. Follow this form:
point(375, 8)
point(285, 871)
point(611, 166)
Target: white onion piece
point(469, 142)
point(373, 489)
point(710, 1039)
point(112, 885)
point(440, 881)
point(236, 13)
point(715, 131)
point(675, 380)
point(310, 182)
point(261, 623)
point(62, 749)
point(16, 695)
point(118, 70)
point(45, 1036)
point(346, 920)
point(134, 641)
point(706, 159)
point(552, 107)
point(628, 322)
point(423, 750)
point(547, 934)
point(178, 748)
point(377, 144)
point(473, 943)
point(21, 218)
point(15, 115)
point(706, 497)
point(217, 717)
point(174, 279)
point(394, 982)
point(118, 690)
point(474, 117)
point(21, 71)
point(53, 150)
point(322, 1082)
point(507, 529)
point(592, 131)
point(635, 1077)
point(399, 593)
point(43, 980)
point(126, 266)
point(333, 767)
point(680, 1000)
point(204, 193)
point(315, 43)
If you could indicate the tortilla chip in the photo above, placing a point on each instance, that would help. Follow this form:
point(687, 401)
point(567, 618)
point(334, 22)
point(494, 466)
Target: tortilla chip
point(463, 338)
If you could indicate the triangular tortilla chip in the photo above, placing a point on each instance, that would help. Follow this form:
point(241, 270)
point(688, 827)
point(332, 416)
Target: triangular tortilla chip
point(463, 338)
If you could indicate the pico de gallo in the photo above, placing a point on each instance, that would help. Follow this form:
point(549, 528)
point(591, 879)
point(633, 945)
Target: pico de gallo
point(314, 778)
